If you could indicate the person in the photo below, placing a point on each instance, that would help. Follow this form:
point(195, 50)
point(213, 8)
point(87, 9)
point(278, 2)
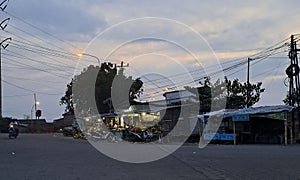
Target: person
point(15, 125)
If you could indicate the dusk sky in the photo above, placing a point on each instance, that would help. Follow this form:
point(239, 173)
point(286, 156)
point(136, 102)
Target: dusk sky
point(159, 40)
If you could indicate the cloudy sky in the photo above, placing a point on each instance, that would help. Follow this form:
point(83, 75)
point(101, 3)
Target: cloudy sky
point(168, 43)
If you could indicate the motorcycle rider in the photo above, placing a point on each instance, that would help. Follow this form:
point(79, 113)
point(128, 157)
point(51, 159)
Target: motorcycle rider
point(15, 125)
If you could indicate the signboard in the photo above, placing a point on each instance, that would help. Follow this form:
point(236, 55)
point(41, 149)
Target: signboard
point(240, 117)
point(278, 116)
point(218, 136)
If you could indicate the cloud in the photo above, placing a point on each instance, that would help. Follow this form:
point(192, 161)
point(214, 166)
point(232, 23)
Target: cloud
point(233, 29)
point(59, 17)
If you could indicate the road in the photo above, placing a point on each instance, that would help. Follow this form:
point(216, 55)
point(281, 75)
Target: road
point(52, 156)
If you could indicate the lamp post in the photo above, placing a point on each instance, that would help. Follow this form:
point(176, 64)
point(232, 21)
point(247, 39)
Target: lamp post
point(80, 54)
point(34, 106)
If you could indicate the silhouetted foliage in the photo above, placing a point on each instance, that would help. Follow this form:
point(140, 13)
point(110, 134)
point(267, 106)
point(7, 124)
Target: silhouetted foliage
point(67, 99)
point(233, 93)
point(237, 93)
point(295, 95)
point(91, 90)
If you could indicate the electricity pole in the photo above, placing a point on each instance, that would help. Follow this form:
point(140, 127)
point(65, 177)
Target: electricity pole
point(293, 74)
point(3, 45)
point(35, 105)
point(248, 83)
point(108, 101)
point(122, 65)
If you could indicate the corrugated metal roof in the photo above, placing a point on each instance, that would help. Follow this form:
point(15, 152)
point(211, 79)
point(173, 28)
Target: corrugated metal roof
point(251, 110)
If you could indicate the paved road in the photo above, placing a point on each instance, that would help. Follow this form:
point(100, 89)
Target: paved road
point(54, 157)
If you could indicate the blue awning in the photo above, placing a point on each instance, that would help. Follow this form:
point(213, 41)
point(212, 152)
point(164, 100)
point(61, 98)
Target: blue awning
point(243, 114)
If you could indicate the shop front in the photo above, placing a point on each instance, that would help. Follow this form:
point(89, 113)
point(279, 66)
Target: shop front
point(257, 125)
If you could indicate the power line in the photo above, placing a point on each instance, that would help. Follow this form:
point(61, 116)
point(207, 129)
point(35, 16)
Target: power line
point(41, 30)
point(39, 69)
point(49, 53)
point(256, 57)
point(16, 96)
point(30, 90)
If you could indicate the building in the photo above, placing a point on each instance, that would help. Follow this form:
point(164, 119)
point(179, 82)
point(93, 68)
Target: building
point(178, 97)
point(35, 126)
point(265, 124)
point(58, 124)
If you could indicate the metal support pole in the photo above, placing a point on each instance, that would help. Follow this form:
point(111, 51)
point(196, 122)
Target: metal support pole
point(35, 105)
point(2, 45)
point(285, 132)
point(291, 88)
point(295, 128)
point(293, 74)
point(248, 83)
point(3, 25)
point(0, 84)
point(234, 134)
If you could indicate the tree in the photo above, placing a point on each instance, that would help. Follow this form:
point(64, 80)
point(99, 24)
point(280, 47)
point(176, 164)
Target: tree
point(67, 99)
point(234, 92)
point(237, 93)
point(294, 96)
point(204, 94)
point(90, 91)
point(125, 90)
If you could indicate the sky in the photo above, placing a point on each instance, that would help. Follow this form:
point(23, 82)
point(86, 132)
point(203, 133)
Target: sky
point(167, 43)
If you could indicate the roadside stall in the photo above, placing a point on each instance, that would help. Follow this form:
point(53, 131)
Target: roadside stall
point(265, 124)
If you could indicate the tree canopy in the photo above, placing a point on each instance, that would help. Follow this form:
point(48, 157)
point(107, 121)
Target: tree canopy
point(295, 98)
point(91, 90)
point(233, 92)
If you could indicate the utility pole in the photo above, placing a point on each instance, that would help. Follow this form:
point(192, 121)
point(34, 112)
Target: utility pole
point(293, 74)
point(248, 83)
point(108, 101)
point(3, 45)
point(34, 96)
point(122, 65)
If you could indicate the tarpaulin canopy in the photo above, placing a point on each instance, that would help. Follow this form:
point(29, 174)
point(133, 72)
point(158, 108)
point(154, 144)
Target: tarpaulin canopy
point(243, 114)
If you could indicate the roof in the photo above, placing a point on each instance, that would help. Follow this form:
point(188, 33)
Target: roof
point(29, 120)
point(249, 111)
point(57, 120)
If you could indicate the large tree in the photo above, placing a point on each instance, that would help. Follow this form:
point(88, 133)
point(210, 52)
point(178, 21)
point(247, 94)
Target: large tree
point(237, 93)
point(90, 91)
point(233, 92)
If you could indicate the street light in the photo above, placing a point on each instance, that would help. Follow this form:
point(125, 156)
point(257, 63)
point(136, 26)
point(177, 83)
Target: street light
point(34, 105)
point(80, 54)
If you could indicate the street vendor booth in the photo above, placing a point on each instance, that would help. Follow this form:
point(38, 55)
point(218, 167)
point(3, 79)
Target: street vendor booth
point(265, 124)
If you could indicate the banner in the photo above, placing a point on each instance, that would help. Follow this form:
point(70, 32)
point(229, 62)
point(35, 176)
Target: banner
point(240, 117)
point(218, 136)
point(278, 116)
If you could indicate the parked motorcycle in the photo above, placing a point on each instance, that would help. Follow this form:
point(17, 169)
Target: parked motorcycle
point(99, 135)
point(137, 136)
point(12, 131)
point(77, 133)
point(147, 136)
